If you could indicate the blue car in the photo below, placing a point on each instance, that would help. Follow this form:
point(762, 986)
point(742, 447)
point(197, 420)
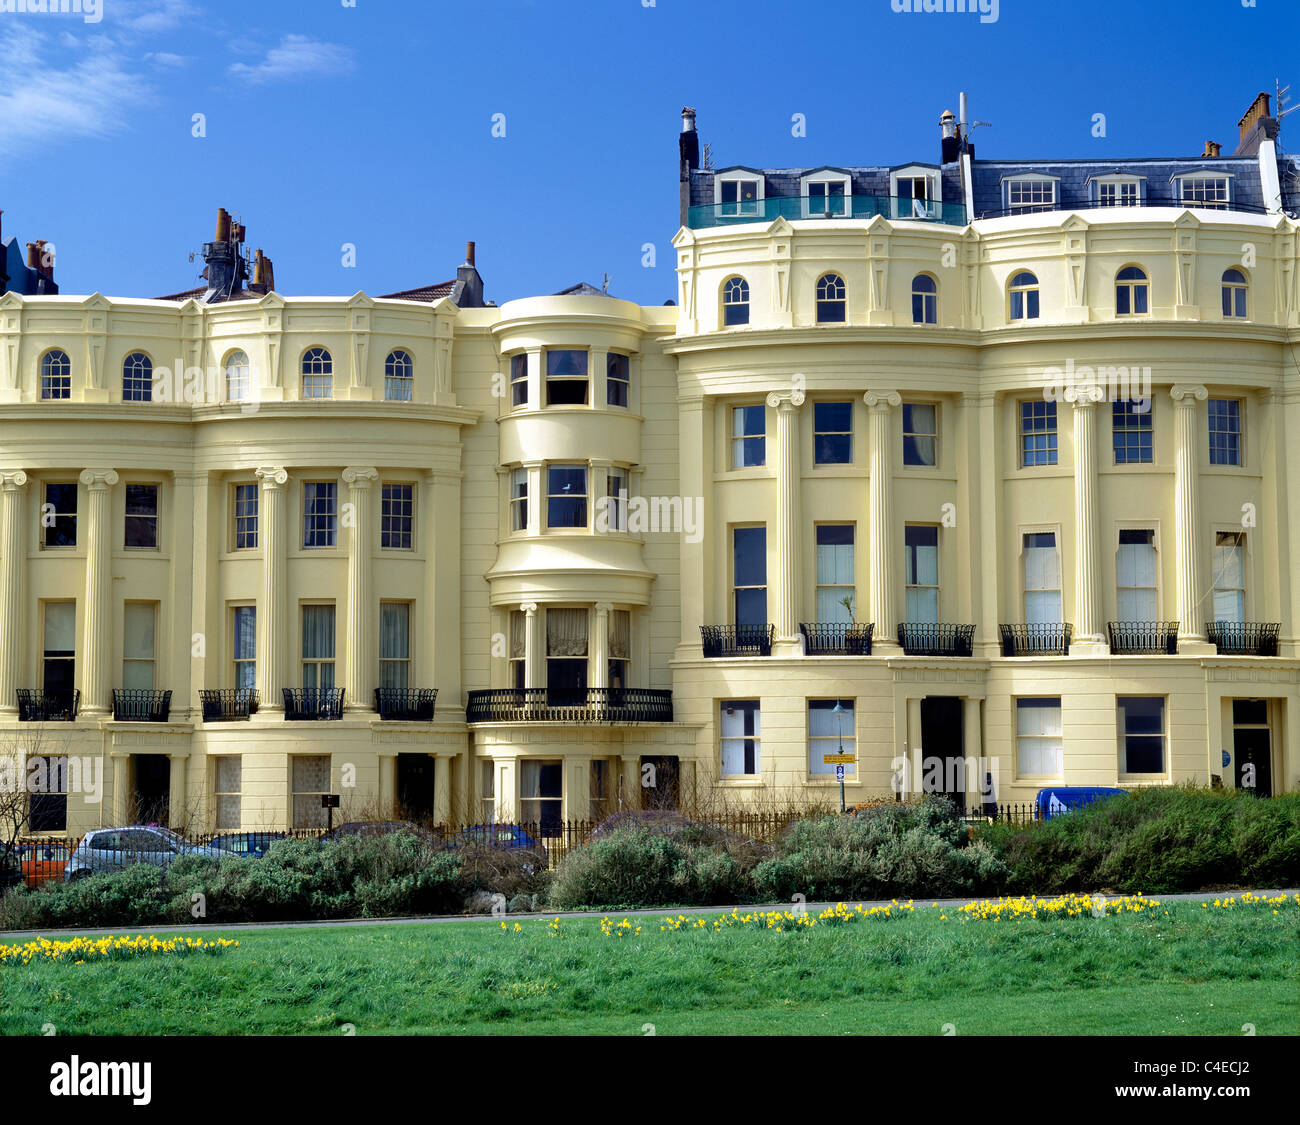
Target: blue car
point(1064, 798)
point(251, 845)
point(494, 836)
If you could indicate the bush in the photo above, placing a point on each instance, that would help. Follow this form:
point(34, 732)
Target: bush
point(638, 866)
point(1158, 841)
point(880, 852)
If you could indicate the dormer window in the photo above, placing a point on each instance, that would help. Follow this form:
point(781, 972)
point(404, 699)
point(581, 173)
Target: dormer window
point(826, 194)
point(738, 192)
point(1116, 190)
point(916, 189)
point(1029, 193)
point(1204, 189)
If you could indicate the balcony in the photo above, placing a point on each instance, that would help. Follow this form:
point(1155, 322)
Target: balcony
point(400, 705)
point(312, 705)
point(37, 706)
point(570, 705)
point(801, 207)
point(1244, 638)
point(137, 705)
point(1143, 638)
point(228, 705)
point(737, 640)
point(1036, 640)
point(837, 640)
point(936, 639)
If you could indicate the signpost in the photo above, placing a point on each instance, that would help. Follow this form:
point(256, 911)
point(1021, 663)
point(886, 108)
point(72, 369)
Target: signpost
point(840, 760)
point(329, 802)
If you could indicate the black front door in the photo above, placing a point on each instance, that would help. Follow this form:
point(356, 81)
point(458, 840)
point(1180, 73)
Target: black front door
point(943, 763)
point(153, 786)
point(1254, 758)
point(660, 783)
point(415, 787)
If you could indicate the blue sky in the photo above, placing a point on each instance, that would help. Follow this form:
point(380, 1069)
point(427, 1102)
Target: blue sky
point(372, 124)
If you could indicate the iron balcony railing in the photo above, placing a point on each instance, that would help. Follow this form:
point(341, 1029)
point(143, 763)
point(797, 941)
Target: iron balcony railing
point(227, 705)
point(58, 706)
point(737, 640)
point(936, 639)
point(141, 705)
point(310, 704)
point(1143, 638)
point(836, 640)
point(797, 207)
point(1244, 638)
point(570, 705)
point(413, 705)
point(1125, 211)
point(1036, 640)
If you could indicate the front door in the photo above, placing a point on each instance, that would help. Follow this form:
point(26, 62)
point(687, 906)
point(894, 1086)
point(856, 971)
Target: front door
point(1253, 753)
point(415, 787)
point(660, 782)
point(153, 786)
point(943, 764)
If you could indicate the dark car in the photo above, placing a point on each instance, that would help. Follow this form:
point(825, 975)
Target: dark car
point(380, 828)
point(251, 845)
point(494, 836)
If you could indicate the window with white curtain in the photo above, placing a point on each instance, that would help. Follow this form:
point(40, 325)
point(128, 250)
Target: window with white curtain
point(616, 489)
point(1230, 576)
point(245, 646)
point(835, 588)
point(830, 732)
point(518, 624)
point(395, 645)
point(1038, 738)
point(519, 499)
point(310, 777)
point(739, 727)
point(138, 656)
point(227, 791)
point(620, 643)
point(237, 385)
point(1135, 575)
point(566, 656)
point(921, 572)
point(489, 776)
point(1042, 579)
point(541, 795)
point(317, 647)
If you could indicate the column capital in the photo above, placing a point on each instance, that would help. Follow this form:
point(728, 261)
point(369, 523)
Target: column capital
point(360, 477)
point(98, 479)
point(1187, 395)
point(604, 607)
point(11, 480)
point(883, 401)
point(272, 477)
point(529, 608)
point(1084, 395)
point(785, 400)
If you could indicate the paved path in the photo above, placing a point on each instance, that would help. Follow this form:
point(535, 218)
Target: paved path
point(659, 912)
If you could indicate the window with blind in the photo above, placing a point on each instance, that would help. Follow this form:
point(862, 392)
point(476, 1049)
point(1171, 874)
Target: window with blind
point(310, 777)
point(518, 624)
point(740, 728)
point(541, 795)
point(59, 664)
point(317, 647)
point(245, 646)
point(139, 622)
point(395, 645)
point(830, 732)
point(1038, 738)
point(620, 641)
point(1230, 576)
point(1042, 567)
point(227, 790)
point(835, 587)
point(566, 657)
point(921, 572)
point(1135, 575)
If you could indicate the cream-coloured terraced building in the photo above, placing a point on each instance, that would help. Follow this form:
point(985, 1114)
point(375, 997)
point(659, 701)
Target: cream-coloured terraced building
point(976, 474)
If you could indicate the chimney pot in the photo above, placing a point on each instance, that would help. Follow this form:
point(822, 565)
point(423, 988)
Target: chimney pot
point(688, 119)
point(223, 225)
point(469, 253)
point(1211, 148)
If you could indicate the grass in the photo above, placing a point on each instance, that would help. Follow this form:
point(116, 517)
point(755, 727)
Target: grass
point(1177, 969)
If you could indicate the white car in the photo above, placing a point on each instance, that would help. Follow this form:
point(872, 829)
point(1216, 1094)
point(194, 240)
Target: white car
point(113, 849)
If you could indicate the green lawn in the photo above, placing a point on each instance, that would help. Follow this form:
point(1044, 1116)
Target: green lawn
point(1179, 969)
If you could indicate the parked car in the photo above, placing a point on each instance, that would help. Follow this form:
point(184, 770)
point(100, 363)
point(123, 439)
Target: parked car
point(494, 836)
point(1063, 798)
point(251, 845)
point(113, 849)
point(380, 828)
point(41, 861)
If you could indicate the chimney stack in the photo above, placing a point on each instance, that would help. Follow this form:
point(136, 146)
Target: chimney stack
point(469, 253)
point(268, 275)
point(949, 145)
point(1257, 125)
point(1211, 148)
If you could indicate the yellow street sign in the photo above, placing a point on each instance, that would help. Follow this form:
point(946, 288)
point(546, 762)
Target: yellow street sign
point(839, 759)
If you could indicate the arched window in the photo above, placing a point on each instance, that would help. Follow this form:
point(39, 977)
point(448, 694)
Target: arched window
point(1234, 294)
point(399, 376)
point(137, 378)
point(317, 374)
point(1023, 296)
point(735, 302)
point(830, 299)
point(56, 374)
point(925, 299)
point(1131, 296)
point(237, 383)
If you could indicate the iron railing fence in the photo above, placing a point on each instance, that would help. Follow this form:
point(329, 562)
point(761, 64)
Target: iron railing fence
point(1036, 640)
point(140, 705)
point(1244, 638)
point(926, 638)
point(737, 640)
point(569, 705)
point(837, 640)
point(1143, 638)
point(225, 705)
point(38, 706)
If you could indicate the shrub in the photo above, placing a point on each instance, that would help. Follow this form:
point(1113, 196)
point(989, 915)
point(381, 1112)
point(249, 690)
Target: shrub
point(880, 852)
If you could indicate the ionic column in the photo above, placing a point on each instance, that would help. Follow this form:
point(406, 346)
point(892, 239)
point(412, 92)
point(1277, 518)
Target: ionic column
point(882, 549)
point(13, 568)
point(534, 647)
point(273, 535)
point(442, 789)
point(358, 665)
point(97, 647)
point(600, 652)
point(789, 549)
point(1187, 516)
point(1088, 635)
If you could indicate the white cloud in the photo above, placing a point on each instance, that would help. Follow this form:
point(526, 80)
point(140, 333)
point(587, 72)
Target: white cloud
point(297, 56)
point(151, 15)
point(43, 105)
point(166, 58)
